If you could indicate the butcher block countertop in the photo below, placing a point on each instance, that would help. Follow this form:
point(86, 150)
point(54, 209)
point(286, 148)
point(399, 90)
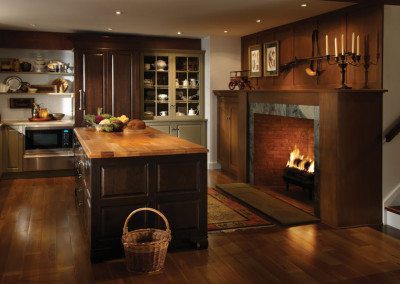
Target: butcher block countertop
point(133, 143)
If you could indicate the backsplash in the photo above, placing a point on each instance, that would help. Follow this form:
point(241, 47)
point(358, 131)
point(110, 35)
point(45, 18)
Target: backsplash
point(52, 103)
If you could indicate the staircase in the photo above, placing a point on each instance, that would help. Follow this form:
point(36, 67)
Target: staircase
point(392, 212)
point(393, 216)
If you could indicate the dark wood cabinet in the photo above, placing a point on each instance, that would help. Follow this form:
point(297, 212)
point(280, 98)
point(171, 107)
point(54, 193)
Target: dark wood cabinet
point(119, 83)
point(232, 133)
point(105, 78)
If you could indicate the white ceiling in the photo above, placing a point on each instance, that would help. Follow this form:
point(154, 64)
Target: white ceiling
point(158, 17)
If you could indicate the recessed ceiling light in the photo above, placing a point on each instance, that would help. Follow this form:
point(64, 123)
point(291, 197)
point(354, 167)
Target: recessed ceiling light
point(118, 12)
point(179, 33)
point(258, 21)
point(109, 29)
point(225, 31)
point(32, 25)
point(303, 5)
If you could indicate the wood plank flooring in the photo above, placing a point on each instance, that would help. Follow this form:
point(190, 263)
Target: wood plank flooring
point(41, 242)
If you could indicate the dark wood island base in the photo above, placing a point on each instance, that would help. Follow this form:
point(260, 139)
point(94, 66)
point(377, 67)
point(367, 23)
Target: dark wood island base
point(111, 184)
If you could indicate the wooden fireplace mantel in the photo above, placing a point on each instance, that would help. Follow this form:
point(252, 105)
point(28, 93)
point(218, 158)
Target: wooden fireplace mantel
point(350, 149)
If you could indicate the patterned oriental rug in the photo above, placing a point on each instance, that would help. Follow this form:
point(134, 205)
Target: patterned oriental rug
point(225, 213)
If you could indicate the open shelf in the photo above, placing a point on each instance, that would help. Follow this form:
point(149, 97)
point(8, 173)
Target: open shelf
point(39, 73)
point(41, 94)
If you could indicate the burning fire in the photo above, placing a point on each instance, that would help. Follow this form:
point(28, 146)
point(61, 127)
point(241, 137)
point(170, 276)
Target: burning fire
point(298, 161)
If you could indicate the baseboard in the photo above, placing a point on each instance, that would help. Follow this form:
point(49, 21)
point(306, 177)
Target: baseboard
point(214, 166)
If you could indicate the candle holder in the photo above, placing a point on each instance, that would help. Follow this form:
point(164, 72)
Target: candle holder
point(367, 64)
point(343, 60)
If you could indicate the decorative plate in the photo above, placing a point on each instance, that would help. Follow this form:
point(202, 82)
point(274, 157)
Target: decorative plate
point(14, 82)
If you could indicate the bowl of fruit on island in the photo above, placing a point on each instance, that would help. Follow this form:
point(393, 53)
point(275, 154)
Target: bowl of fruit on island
point(106, 122)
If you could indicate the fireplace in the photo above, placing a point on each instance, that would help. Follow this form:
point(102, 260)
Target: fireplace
point(347, 137)
point(283, 147)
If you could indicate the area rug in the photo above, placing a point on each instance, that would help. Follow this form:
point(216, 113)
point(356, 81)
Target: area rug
point(226, 213)
point(278, 210)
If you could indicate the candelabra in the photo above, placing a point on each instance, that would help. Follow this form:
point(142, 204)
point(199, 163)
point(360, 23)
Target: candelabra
point(343, 60)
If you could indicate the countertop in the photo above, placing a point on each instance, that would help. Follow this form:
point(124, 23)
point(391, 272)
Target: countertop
point(34, 123)
point(133, 143)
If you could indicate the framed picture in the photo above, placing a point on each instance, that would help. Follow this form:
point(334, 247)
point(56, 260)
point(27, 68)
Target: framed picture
point(271, 58)
point(255, 60)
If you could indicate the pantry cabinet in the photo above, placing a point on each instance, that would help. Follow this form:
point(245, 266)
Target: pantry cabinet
point(105, 79)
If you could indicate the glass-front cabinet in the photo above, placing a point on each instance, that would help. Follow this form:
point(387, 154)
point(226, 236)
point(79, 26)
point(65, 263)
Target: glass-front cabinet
point(172, 85)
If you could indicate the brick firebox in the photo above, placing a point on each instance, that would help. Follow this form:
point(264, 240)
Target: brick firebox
point(274, 139)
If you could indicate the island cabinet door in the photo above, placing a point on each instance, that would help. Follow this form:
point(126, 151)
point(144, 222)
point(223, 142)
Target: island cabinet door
point(120, 97)
point(90, 82)
point(181, 194)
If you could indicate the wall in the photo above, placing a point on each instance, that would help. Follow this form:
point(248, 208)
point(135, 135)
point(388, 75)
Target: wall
point(222, 56)
point(295, 41)
point(391, 100)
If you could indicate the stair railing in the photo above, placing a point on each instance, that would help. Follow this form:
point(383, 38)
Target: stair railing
point(393, 131)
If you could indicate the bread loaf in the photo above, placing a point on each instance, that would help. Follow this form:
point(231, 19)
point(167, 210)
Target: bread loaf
point(136, 124)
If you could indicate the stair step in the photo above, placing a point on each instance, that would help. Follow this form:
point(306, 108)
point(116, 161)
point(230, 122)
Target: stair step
point(393, 209)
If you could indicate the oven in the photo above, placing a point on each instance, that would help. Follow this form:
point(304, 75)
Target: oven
point(48, 148)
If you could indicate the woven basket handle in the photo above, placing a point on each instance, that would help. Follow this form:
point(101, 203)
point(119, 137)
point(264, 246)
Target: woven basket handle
point(125, 229)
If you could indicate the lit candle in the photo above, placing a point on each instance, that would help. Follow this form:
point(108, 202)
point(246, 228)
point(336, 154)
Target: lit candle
point(342, 44)
point(336, 55)
point(358, 45)
point(326, 45)
point(352, 43)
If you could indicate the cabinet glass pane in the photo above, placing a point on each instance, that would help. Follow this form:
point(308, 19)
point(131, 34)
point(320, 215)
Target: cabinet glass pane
point(187, 86)
point(156, 80)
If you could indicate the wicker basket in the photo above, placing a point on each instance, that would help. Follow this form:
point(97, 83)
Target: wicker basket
point(145, 249)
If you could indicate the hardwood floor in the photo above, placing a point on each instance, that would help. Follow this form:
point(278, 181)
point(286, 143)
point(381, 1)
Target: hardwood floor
point(41, 241)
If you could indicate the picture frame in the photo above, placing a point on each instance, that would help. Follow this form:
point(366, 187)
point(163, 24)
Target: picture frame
point(271, 59)
point(255, 61)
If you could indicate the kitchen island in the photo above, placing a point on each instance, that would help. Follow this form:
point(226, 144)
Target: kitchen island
point(120, 172)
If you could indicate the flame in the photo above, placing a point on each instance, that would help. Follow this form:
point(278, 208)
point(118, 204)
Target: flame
point(296, 160)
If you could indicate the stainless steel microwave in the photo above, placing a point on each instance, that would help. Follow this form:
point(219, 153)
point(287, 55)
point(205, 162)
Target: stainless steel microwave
point(48, 138)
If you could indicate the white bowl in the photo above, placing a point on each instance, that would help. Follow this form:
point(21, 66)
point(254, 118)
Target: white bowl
point(162, 96)
point(32, 90)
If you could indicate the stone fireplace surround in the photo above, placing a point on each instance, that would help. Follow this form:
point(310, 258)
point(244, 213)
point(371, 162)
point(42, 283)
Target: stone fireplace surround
point(350, 148)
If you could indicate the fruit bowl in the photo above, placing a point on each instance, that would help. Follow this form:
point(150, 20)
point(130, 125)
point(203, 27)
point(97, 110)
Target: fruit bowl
point(106, 122)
